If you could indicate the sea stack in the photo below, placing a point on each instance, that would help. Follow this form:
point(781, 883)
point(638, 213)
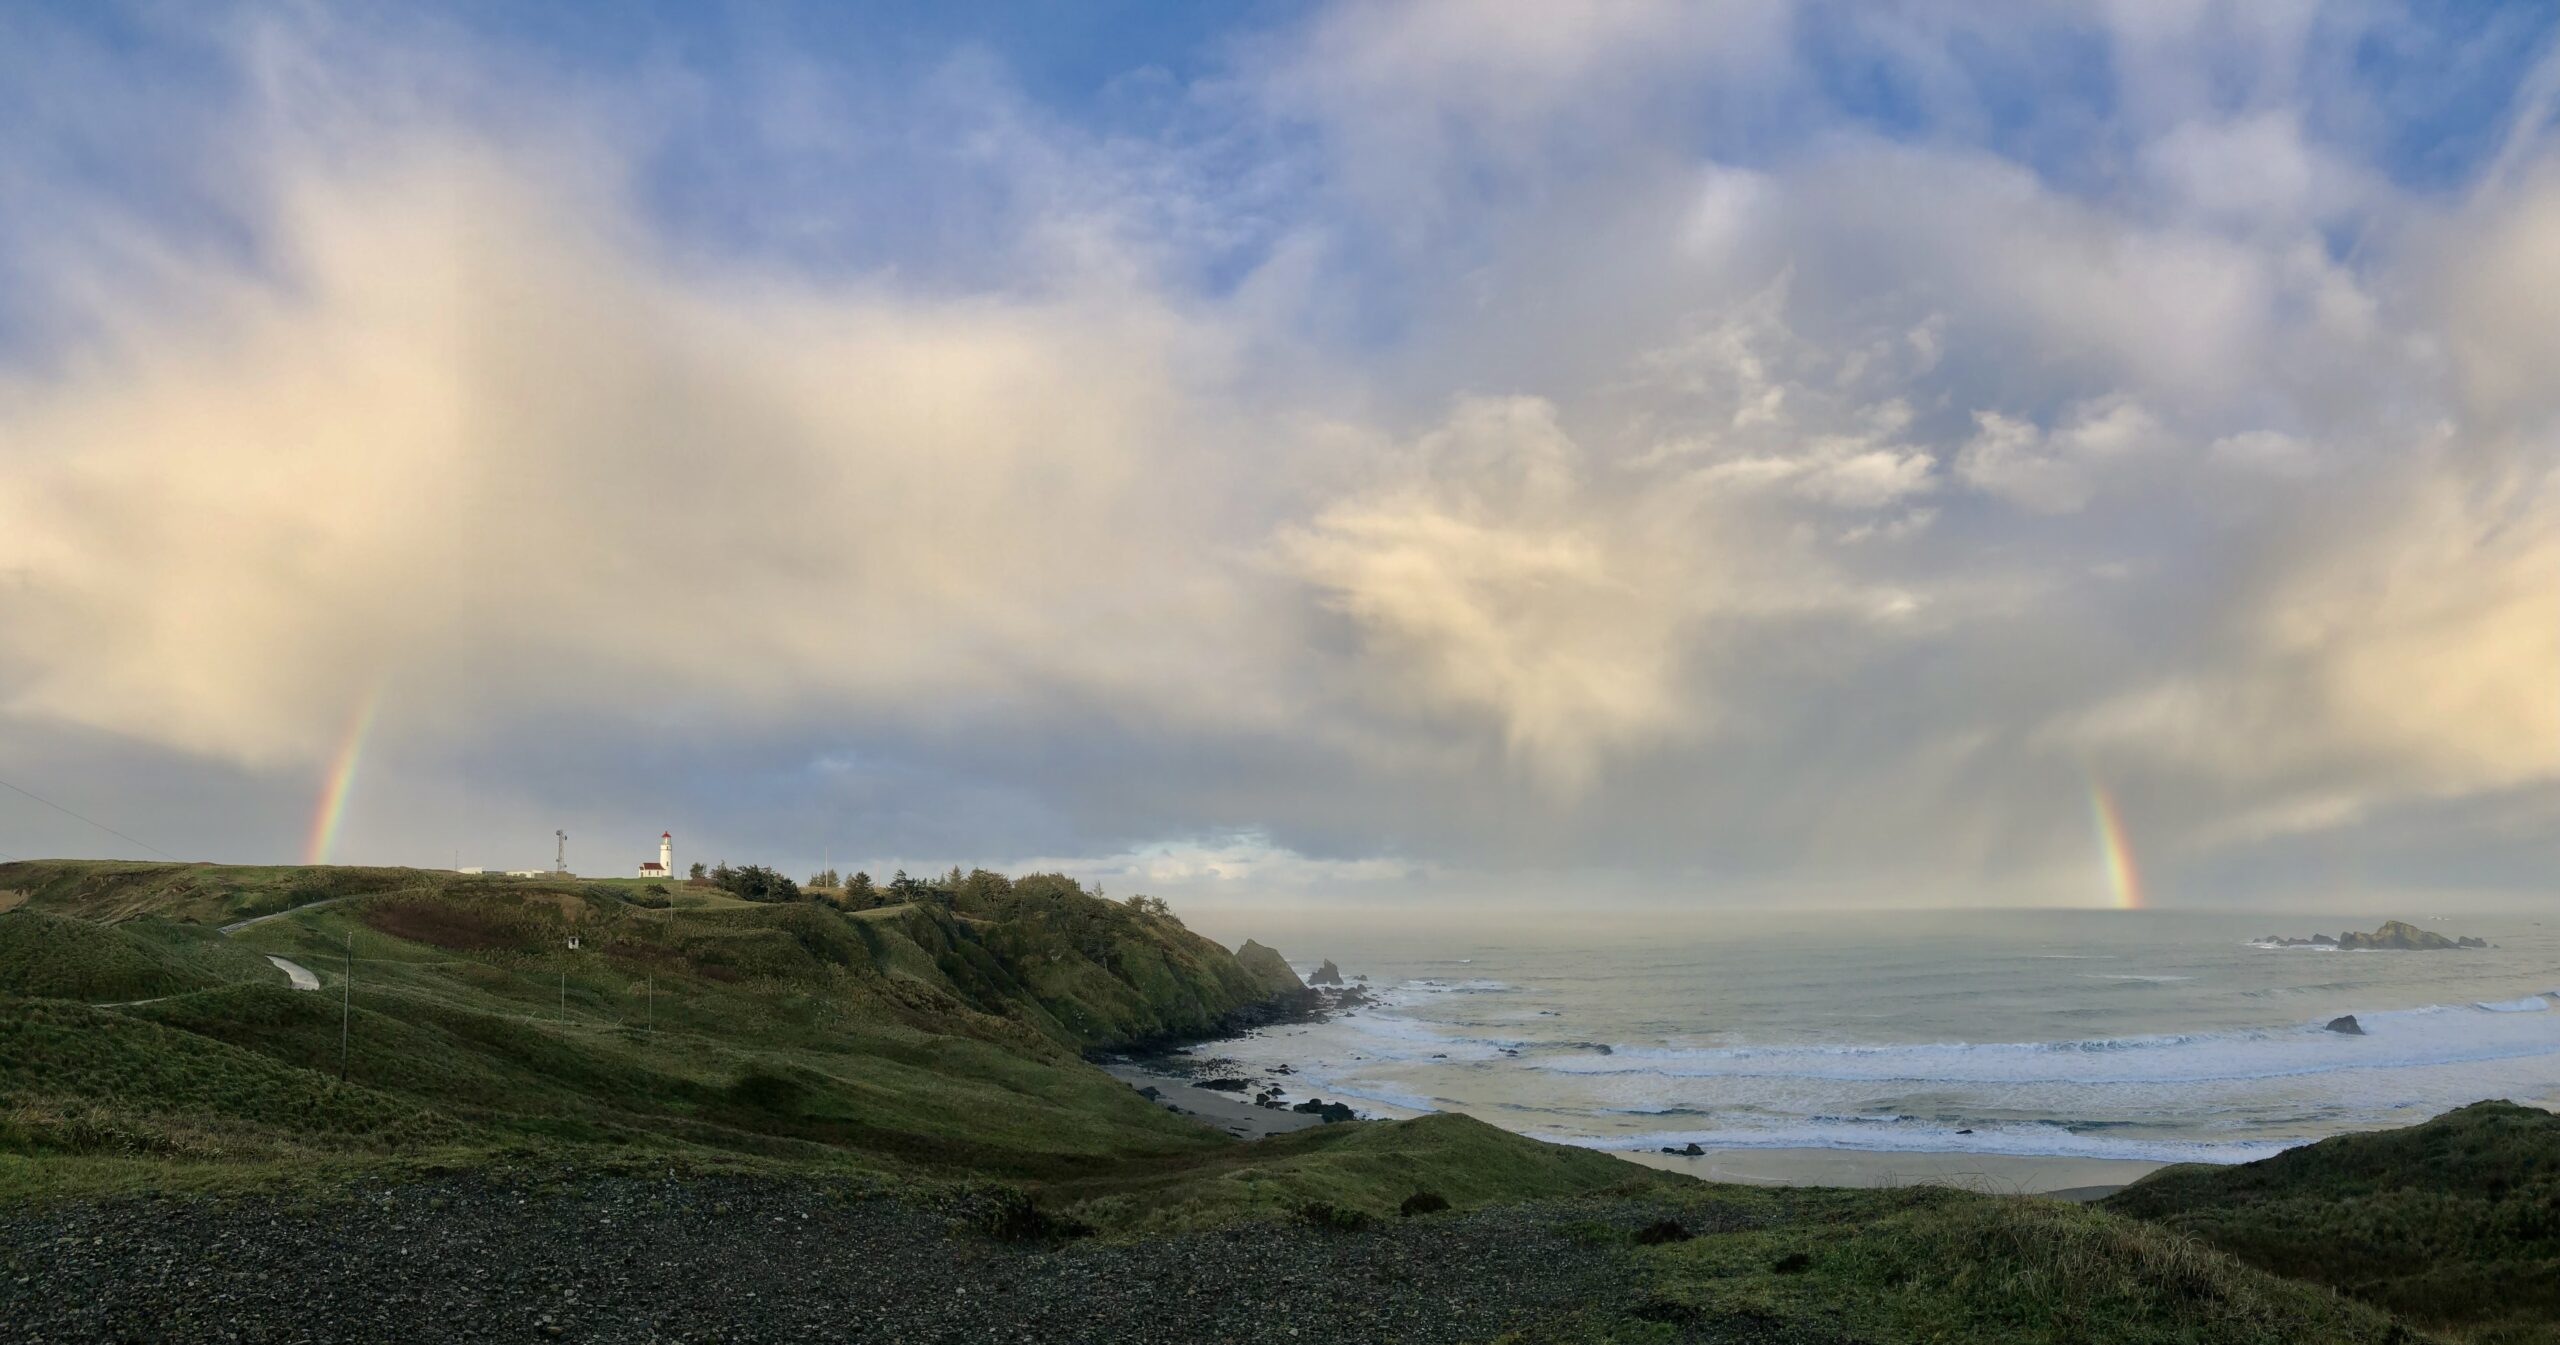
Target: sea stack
point(2347, 1024)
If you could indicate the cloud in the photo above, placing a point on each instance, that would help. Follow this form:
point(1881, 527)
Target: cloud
point(2055, 472)
point(2409, 653)
point(1485, 581)
point(477, 438)
point(1741, 448)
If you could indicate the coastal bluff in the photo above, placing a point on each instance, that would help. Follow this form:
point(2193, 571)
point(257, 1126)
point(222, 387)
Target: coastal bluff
point(2397, 936)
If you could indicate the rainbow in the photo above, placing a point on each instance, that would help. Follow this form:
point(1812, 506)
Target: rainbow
point(332, 807)
point(2113, 851)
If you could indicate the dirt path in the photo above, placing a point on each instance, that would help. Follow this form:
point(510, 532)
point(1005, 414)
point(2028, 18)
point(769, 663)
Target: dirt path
point(295, 972)
point(238, 925)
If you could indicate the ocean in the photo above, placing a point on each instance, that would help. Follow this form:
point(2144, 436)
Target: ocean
point(2149, 1035)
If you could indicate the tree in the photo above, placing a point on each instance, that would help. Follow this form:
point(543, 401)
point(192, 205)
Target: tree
point(1152, 908)
point(825, 878)
point(755, 882)
point(858, 891)
point(697, 870)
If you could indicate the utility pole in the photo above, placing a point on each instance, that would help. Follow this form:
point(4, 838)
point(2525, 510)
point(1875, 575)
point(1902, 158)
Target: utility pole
point(346, 1004)
point(564, 996)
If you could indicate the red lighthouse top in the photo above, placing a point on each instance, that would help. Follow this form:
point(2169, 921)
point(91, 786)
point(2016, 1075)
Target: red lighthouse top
point(666, 835)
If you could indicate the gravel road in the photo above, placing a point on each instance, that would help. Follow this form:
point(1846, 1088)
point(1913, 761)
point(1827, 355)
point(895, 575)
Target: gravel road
point(616, 1258)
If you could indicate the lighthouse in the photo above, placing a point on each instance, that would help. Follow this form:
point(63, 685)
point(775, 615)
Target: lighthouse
point(665, 864)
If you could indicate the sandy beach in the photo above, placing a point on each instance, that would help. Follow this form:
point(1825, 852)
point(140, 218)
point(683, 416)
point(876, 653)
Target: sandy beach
point(2006, 1174)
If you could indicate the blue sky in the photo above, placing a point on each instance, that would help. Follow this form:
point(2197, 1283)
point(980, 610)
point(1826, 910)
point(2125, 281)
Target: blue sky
point(1766, 453)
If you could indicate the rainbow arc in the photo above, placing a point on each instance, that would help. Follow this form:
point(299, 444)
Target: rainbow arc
point(2115, 853)
point(331, 810)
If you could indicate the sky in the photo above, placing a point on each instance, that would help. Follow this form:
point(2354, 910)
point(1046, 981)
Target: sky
point(1398, 456)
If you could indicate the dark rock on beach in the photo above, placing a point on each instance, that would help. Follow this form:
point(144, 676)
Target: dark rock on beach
point(2347, 1024)
point(1330, 1111)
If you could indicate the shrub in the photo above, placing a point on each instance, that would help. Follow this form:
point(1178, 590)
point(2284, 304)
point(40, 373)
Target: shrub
point(1323, 1214)
point(1661, 1231)
point(1008, 1214)
point(768, 1092)
point(1423, 1202)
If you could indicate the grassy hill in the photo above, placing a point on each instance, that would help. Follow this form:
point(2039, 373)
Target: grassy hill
point(2454, 1223)
point(937, 1039)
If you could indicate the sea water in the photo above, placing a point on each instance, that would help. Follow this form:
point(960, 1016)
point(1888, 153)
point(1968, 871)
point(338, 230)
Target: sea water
point(2162, 1036)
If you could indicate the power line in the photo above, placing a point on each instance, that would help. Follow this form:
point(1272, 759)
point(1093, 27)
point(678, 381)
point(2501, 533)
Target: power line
point(92, 822)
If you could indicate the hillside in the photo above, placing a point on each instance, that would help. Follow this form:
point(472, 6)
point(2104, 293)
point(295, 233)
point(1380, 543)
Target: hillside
point(924, 1040)
point(2454, 1223)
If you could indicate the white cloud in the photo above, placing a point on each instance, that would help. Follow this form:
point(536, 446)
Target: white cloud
point(2055, 472)
point(1486, 579)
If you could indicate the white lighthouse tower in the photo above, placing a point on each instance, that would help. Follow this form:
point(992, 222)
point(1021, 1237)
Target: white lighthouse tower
point(665, 865)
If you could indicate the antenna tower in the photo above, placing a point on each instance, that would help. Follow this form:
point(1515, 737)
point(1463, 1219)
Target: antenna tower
point(560, 861)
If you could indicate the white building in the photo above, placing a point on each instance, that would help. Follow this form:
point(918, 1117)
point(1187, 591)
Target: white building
point(664, 866)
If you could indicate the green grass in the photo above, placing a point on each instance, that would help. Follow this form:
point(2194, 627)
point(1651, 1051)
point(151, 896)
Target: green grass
point(1364, 1166)
point(1932, 1264)
point(56, 957)
point(2454, 1224)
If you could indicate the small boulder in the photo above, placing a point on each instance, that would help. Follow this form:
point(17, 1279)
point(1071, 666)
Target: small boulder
point(1330, 1111)
point(2346, 1024)
point(1225, 1085)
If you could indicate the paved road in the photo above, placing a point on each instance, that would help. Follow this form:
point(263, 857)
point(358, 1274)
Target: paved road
point(295, 972)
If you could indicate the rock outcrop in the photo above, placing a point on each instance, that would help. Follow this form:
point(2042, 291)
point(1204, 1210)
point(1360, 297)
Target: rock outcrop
point(2346, 1023)
point(2394, 936)
point(1265, 964)
point(1328, 974)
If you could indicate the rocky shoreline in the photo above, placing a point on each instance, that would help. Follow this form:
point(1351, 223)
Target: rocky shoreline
point(1216, 1090)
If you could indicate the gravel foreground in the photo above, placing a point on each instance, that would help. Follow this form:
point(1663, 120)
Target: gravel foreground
point(463, 1258)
